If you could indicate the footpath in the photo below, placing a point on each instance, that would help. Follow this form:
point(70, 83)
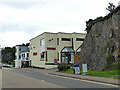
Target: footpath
point(84, 77)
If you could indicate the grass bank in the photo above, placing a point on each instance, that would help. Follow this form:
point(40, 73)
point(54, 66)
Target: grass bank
point(115, 74)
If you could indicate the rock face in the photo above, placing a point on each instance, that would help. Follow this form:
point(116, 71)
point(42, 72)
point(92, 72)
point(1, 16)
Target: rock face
point(102, 44)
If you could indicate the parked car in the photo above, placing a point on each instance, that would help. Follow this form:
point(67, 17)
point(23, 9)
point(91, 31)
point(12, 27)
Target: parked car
point(6, 65)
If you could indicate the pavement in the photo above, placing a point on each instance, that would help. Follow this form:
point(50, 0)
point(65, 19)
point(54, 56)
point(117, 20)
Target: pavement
point(84, 77)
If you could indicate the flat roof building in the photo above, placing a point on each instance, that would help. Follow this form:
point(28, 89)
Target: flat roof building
point(48, 49)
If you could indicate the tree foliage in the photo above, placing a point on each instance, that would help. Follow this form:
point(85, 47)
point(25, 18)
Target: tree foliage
point(8, 55)
point(111, 7)
point(91, 22)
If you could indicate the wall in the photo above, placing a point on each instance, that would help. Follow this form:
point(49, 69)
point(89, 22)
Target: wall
point(36, 59)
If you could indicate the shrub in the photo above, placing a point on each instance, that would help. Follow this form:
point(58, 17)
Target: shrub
point(115, 66)
point(68, 66)
point(62, 67)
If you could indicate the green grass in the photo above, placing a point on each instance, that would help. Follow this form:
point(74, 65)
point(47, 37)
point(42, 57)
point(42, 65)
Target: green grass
point(109, 74)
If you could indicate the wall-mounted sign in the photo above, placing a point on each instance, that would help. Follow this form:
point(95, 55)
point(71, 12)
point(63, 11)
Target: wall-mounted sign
point(34, 53)
point(51, 48)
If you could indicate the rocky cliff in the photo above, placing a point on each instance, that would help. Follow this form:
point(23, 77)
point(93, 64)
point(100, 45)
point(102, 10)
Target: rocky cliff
point(101, 46)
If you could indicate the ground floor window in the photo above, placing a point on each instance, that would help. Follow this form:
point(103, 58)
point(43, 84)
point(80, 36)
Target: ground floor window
point(67, 55)
point(57, 56)
point(42, 56)
point(78, 51)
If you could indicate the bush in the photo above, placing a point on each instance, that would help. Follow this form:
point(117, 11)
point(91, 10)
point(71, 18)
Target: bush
point(115, 66)
point(68, 66)
point(62, 67)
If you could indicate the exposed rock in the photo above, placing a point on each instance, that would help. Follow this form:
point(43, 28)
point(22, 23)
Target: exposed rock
point(102, 43)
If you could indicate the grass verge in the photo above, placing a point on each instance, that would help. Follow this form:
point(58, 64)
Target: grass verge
point(115, 74)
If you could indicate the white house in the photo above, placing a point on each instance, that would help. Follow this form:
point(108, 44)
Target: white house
point(19, 52)
point(25, 59)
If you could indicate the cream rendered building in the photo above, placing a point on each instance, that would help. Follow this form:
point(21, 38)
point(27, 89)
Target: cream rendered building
point(48, 49)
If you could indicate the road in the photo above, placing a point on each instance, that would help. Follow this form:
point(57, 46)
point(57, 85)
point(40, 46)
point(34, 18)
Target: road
point(14, 78)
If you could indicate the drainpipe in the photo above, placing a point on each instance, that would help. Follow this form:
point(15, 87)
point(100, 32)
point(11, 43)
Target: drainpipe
point(72, 44)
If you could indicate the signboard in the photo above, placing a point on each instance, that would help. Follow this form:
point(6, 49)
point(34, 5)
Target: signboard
point(51, 48)
point(84, 67)
point(34, 53)
point(77, 70)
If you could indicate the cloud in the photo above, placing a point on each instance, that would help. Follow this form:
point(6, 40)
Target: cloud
point(33, 17)
point(13, 38)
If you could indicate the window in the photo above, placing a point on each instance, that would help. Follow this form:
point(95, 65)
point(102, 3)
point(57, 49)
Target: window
point(22, 55)
point(41, 42)
point(79, 39)
point(57, 41)
point(19, 56)
point(27, 54)
point(58, 56)
point(42, 56)
point(20, 49)
point(65, 39)
point(78, 51)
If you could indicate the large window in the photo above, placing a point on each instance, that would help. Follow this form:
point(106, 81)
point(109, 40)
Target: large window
point(42, 42)
point(65, 39)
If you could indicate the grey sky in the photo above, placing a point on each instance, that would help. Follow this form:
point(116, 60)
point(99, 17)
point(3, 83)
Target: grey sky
point(22, 20)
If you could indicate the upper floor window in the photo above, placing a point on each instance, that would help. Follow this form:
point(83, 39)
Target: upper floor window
point(42, 42)
point(79, 39)
point(27, 54)
point(57, 41)
point(65, 39)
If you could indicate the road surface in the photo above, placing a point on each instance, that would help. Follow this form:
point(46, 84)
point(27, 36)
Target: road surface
point(15, 78)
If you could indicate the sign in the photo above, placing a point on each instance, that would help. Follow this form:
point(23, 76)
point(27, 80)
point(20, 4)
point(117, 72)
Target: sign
point(77, 70)
point(34, 53)
point(84, 67)
point(51, 48)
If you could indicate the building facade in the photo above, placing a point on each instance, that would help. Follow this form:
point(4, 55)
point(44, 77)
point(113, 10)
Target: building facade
point(20, 51)
point(25, 59)
point(48, 49)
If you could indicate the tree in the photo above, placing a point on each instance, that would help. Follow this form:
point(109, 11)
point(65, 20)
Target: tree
point(8, 55)
point(91, 22)
point(111, 7)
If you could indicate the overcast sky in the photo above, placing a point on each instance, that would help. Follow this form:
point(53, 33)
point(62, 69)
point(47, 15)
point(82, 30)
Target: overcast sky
point(21, 20)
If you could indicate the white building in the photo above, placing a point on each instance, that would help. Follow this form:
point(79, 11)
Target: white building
point(25, 59)
point(19, 52)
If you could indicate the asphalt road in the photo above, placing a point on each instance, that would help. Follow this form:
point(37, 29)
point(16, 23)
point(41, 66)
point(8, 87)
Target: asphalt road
point(30, 79)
